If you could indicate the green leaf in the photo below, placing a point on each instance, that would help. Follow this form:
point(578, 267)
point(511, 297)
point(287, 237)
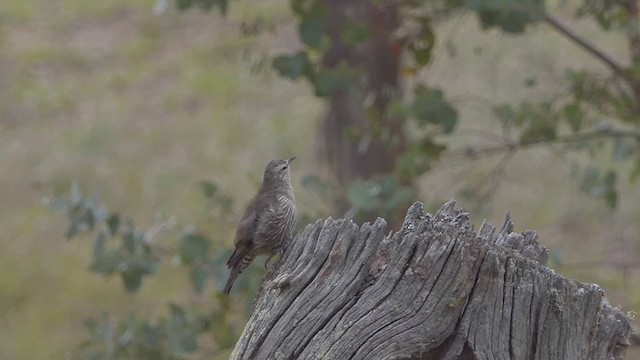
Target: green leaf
point(146, 264)
point(189, 343)
point(388, 185)
point(555, 258)
point(151, 335)
point(396, 110)
point(76, 194)
point(383, 193)
point(611, 197)
point(216, 199)
point(399, 198)
point(504, 113)
point(311, 26)
point(421, 46)
point(209, 188)
point(429, 148)
point(610, 179)
point(573, 115)
point(354, 33)
point(193, 246)
point(503, 20)
point(218, 269)
point(589, 179)
point(177, 313)
point(409, 165)
point(291, 66)
point(198, 276)
point(106, 331)
point(326, 81)
point(512, 16)
point(430, 107)
point(106, 262)
point(58, 204)
point(538, 131)
point(300, 7)
point(98, 243)
point(363, 195)
point(317, 185)
point(91, 323)
point(181, 336)
point(540, 121)
point(600, 186)
point(205, 4)
point(183, 4)
point(132, 279)
point(418, 159)
point(132, 241)
point(113, 222)
point(224, 6)
point(606, 13)
point(73, 228)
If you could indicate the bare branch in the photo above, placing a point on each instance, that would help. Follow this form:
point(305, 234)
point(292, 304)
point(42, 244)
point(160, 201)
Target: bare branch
point(608, 60)
point(472, 152)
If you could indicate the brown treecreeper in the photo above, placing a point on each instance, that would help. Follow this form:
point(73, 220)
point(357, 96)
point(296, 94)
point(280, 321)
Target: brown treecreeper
point(267, 221)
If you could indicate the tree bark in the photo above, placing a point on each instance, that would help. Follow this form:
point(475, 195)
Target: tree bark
point(378, 61)
point(436, 289)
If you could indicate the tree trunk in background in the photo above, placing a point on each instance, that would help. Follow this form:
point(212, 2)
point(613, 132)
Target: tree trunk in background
point(633, 39)
point(433, 290)
point(379, 59)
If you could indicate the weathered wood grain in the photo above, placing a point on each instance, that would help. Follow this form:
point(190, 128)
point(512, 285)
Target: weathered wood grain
point(436, 289)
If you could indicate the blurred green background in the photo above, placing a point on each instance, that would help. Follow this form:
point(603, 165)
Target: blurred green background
point(144, 106)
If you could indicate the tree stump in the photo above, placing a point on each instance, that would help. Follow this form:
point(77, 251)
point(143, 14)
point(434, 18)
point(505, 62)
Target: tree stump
point(436, 289)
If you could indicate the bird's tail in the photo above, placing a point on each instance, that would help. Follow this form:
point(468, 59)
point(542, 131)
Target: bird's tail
point(232, 278)
point(237, 263)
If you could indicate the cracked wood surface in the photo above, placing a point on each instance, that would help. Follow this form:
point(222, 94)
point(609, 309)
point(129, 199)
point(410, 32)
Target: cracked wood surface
point(436, 289)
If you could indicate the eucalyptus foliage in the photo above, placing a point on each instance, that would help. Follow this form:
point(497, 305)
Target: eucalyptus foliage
point(133, 254)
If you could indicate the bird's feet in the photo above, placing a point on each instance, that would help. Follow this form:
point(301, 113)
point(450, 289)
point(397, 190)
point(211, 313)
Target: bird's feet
point(268, 261)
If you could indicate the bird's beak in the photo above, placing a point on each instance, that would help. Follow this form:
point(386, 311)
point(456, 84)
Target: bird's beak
point(289, 160)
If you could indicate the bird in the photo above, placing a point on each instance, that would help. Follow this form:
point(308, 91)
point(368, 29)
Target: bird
point(267, 221)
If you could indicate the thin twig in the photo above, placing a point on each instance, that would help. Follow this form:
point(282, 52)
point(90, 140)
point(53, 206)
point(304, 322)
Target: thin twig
point(496, 176)
point(448, 39)
point(481, 133)
point(493, 150)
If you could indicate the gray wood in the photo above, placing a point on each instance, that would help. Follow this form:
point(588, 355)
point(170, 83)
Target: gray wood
point(436, 289)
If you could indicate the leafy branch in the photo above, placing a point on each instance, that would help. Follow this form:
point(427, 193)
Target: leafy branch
point(122, 249)
point(472, 152)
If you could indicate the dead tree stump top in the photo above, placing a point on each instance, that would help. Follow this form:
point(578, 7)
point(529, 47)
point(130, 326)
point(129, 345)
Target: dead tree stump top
point(436, 289)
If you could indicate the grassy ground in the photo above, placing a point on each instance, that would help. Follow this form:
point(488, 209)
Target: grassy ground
point(144, 106)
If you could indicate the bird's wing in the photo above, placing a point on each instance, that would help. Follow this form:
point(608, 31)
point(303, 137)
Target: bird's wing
point(245, 230)
point(289, 213)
